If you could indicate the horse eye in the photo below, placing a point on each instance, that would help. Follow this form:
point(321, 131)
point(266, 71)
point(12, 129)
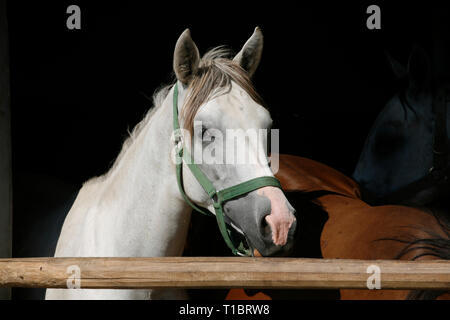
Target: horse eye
point(204, 132)
point(387, 144)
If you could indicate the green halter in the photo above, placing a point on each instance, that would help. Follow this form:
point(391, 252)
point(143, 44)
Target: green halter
point(218, 197)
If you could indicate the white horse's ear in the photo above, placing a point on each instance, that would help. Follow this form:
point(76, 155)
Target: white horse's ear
point(186, 57)
point(250, 55)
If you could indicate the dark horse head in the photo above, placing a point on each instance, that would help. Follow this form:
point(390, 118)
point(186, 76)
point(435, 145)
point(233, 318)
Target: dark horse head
point(399, 150)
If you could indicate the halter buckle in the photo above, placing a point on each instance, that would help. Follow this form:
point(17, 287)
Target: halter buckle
point(177, 136)
point(178, 142)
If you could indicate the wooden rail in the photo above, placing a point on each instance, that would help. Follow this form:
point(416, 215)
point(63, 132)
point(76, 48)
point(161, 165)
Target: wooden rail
point(232, 272)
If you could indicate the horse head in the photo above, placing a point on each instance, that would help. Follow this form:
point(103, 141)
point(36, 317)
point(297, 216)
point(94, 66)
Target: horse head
point(225, 129)
point(399, 148)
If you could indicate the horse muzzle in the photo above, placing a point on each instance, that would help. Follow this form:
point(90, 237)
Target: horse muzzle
point(267, 220)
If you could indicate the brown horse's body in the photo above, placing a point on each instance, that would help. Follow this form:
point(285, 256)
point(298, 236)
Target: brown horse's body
point(354, 230)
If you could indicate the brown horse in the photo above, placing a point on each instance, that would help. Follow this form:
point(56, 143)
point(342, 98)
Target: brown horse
point(355, 230)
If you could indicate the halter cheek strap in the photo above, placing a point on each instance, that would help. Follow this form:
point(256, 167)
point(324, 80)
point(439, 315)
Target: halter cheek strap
point(218, 197)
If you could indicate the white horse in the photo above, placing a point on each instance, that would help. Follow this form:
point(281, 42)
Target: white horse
point(136, 208)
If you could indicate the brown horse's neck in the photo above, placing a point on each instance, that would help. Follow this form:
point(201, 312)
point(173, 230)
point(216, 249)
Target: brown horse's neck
point(301, 174)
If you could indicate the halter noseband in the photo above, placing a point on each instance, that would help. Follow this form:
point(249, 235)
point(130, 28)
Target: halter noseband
point(219, 197)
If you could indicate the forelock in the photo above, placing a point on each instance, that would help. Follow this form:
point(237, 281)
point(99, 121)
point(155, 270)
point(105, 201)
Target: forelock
point(214, 77)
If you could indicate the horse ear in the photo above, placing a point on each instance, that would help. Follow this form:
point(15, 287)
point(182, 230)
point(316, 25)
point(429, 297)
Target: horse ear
point(250, 55)
point(186, 57)
point(398, 69)
point(419, 72)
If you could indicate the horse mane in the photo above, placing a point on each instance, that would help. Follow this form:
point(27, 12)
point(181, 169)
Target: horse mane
point(213, 77)
point(157, 99)
point(434, 245)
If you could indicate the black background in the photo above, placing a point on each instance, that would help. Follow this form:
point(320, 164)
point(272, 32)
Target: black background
point(323, 74)
point(76, 93)
point(278, 309)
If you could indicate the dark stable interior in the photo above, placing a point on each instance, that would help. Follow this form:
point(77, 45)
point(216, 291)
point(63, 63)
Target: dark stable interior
point(76, 93)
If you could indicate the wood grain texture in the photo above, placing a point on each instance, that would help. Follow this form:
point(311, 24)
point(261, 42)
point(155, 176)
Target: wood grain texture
point(229, 272)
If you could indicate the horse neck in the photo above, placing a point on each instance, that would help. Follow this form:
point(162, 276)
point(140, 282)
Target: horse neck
point(142, 190)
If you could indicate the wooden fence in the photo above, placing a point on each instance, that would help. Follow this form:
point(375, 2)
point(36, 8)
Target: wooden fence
point(230, 272)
